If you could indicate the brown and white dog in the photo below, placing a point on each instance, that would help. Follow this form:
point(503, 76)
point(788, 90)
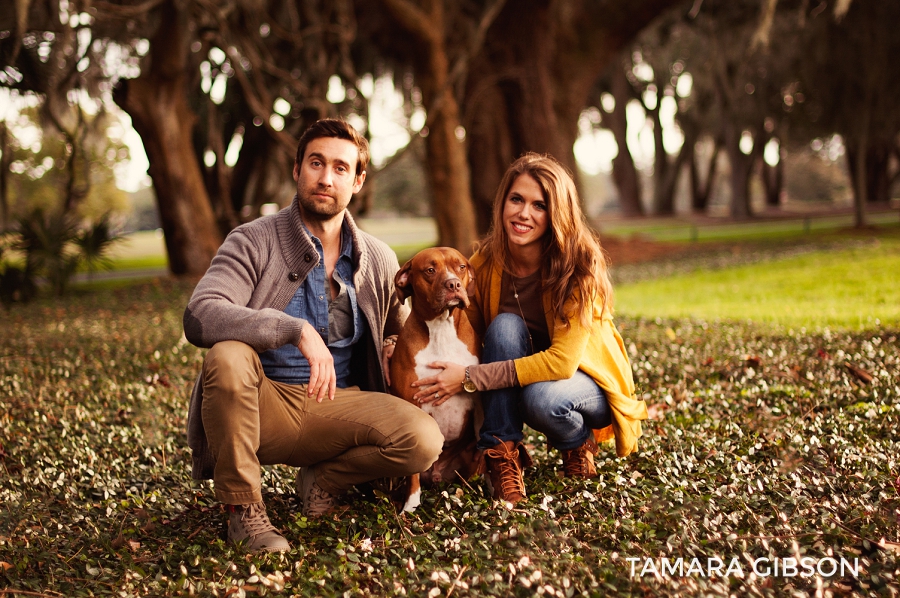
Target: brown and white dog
point(439, 281)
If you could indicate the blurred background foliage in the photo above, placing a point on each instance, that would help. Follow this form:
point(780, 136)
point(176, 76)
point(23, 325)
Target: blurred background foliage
point(730, 109)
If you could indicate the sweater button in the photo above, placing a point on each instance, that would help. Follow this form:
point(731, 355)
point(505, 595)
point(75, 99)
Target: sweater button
point(293, 277)
point(307, 258)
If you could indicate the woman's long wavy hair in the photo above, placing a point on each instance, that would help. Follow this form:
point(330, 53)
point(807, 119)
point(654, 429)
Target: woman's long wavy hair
point(573, 262)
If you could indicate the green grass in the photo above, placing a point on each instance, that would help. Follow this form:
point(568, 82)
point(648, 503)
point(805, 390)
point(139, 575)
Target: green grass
point(138, 251)
point(681, 230)
point(148, 262)
point(763, 443)
point(852, 289)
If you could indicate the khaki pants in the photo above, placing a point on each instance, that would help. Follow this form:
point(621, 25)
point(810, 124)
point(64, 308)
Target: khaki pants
point(252, 421)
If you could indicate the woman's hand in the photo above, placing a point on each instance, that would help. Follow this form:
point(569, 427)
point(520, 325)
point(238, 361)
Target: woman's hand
point(443, 385)
point(386, 353)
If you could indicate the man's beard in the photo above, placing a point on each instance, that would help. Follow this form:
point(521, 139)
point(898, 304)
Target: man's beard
point(317, 210)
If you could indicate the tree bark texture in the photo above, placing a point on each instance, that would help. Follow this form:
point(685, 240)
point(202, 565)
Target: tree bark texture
point(773, 180)
point(157, 102)
point(529, 84)
point(5, 161)
point(625, 173)
point(700, 190)
point(217, 178)
point(666, 168)
point(448, 170)
point(258, 176)
point(741, 169)
point(876, 166)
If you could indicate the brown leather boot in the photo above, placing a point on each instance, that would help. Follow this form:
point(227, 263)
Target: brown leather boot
point(249, 525)
point(315, 500)
point(579, 461)
point(504, 468)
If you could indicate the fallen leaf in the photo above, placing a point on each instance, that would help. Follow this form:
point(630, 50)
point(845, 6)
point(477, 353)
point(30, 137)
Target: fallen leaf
point(6, 566)
point(656, 411)
point(892, 546)
point(861, 374)
point(753, 361)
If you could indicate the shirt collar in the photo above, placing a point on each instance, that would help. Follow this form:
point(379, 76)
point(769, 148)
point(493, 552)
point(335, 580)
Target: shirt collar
point(346, 239)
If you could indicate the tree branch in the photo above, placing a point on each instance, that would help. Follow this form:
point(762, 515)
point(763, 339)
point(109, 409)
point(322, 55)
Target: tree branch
point(116, 11)
point(258, 106)
point(487, 19)
point(762, 35)
point(414, 19)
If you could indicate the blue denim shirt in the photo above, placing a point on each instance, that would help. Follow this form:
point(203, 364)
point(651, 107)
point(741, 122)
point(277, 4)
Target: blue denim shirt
point(311, 302)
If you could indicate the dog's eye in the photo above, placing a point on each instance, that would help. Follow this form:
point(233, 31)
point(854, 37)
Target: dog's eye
point(462, 267)
point(429, 270)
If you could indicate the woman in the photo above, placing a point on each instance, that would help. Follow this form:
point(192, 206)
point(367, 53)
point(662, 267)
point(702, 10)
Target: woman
point(552, 357)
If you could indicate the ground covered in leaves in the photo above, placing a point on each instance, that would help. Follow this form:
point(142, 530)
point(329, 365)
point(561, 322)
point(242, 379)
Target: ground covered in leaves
point(764, 444)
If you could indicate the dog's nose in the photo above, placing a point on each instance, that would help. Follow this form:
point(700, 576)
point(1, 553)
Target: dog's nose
point(452, 284)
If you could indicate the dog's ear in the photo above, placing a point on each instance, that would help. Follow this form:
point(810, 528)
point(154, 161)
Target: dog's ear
point(401, 282)
point(470, 283)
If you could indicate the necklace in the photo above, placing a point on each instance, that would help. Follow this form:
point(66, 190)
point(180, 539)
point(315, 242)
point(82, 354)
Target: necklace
point(522, 313)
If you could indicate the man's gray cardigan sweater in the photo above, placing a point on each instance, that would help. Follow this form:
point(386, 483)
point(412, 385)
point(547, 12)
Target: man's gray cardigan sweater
point(251, 280)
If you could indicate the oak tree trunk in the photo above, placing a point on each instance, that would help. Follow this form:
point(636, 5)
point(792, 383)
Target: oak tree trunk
point(448, 170)
point(877, 178)
point(773, 181)
point(532, 79)
point(625, 174)
point(509, 103)
point(701, 190)
point(741, 165)
point(5, 161)
point(157, 102)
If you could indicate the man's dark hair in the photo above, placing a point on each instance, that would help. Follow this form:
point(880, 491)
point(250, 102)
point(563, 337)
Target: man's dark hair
point(340, 129)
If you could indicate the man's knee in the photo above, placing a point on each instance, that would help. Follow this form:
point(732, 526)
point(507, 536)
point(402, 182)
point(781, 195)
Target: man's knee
point(229, 368)
point(421, 440)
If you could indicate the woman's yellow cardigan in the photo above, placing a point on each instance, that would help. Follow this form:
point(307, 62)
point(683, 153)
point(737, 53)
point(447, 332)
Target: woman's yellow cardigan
point(598, 351)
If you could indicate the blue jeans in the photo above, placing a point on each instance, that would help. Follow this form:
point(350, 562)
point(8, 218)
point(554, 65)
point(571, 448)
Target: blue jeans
point(566, 411)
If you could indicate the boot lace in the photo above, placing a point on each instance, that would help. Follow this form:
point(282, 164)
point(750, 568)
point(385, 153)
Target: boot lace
point(255, 520)
point(506, 461)
point(575, 461)
point(318, 501)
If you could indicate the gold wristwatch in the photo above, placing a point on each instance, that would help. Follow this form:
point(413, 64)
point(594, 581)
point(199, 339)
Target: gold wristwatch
point(467, 384)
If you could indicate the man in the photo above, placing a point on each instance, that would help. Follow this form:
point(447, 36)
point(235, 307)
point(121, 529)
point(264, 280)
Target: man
point(295, 307)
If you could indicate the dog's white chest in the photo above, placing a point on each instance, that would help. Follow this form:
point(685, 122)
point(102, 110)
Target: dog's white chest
point(444, 345)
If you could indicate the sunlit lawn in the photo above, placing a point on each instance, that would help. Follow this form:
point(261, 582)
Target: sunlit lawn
point(141, 249)
point(854, 288)
point(786, 226)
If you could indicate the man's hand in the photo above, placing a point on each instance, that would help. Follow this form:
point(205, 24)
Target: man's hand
point(322, 378)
